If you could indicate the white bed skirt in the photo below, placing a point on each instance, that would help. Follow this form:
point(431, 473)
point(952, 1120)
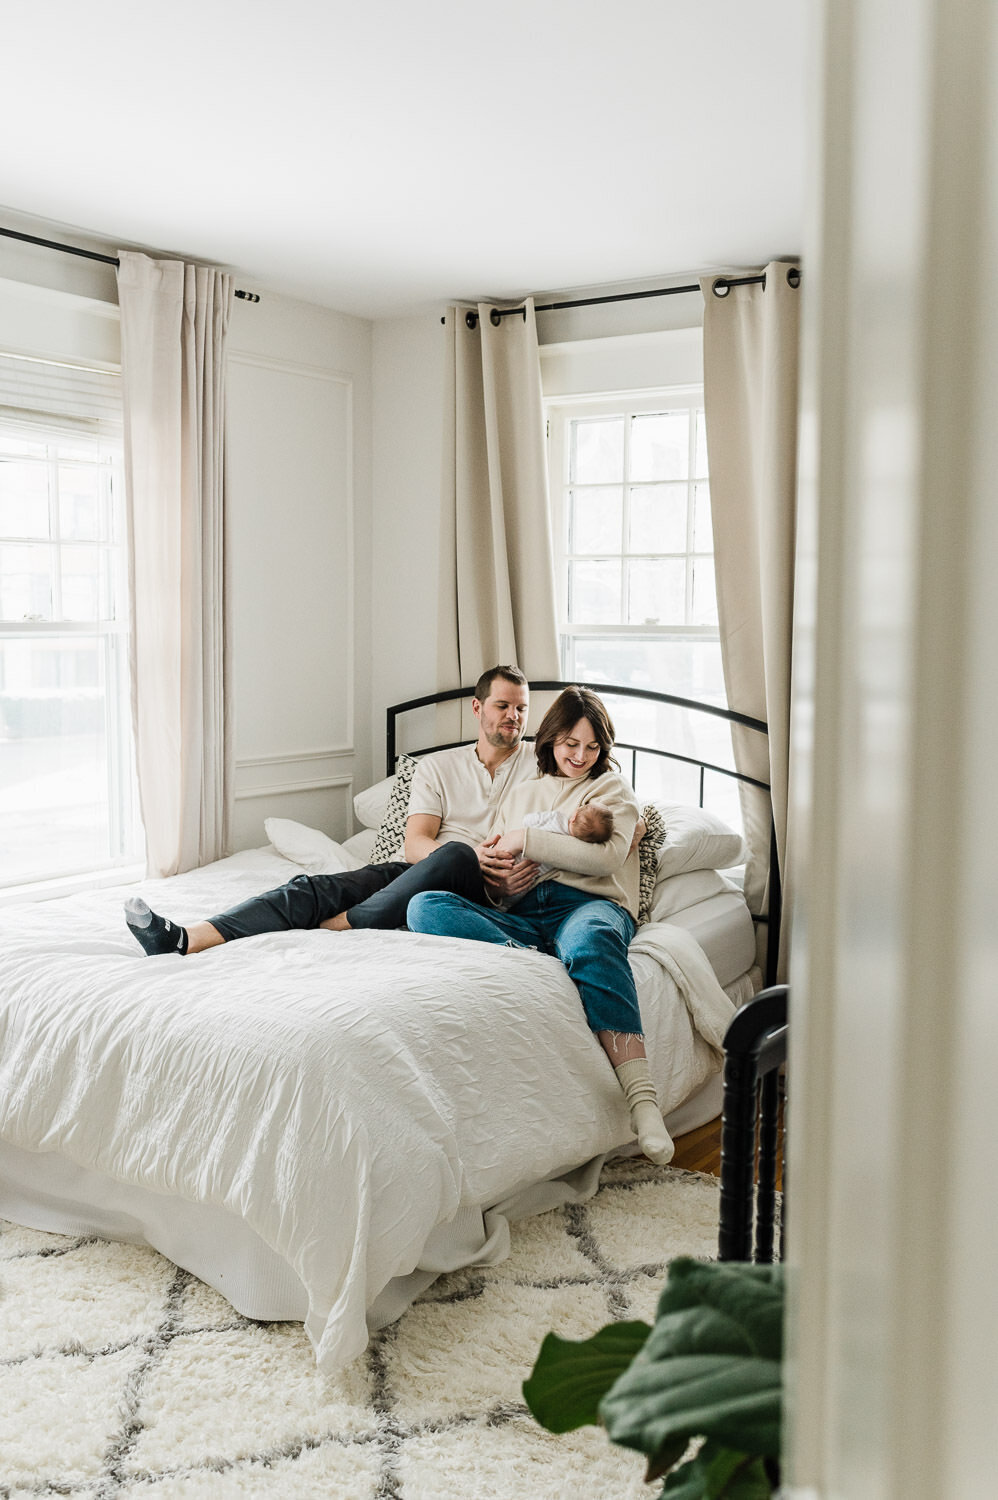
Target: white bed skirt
point(43, 1190)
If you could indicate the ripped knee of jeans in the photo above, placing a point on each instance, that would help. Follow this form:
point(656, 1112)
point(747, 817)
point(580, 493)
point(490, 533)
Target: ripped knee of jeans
point(619, 1041)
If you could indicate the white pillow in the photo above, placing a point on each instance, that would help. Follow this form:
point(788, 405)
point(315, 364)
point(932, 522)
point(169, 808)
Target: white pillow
point(360, 845)
point(696, 840)
point(674, 893)
point(314, 851)
point(371, 804)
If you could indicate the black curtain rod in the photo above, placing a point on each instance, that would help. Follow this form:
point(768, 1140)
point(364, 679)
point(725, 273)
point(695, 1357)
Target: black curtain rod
point(109, 260)
point(721, 288)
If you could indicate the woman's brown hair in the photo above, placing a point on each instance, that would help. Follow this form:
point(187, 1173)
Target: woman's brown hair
point(568, 708)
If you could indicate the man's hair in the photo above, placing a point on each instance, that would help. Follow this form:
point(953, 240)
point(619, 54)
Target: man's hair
point(568, 708)
point(483, 686)
point(592, 822)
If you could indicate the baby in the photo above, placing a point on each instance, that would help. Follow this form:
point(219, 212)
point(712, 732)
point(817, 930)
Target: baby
point(592, 822)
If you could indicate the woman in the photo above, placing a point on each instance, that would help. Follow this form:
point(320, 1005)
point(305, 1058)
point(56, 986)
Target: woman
point(585, 911)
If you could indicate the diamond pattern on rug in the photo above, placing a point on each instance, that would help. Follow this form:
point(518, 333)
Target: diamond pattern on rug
point(121, 1375)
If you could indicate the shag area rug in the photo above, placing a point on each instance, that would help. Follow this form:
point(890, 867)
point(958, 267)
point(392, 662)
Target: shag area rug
point(121, 1375)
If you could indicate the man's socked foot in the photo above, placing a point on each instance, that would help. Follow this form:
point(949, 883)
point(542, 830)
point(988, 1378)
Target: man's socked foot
point(156, 934)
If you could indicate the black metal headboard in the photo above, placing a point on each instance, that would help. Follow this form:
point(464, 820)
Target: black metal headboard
point(395, 712)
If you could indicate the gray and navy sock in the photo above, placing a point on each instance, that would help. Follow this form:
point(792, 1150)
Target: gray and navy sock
point(156, 934)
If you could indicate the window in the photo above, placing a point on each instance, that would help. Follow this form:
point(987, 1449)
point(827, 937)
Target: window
point(634, 557)
point(633, 537)
point(67, 795)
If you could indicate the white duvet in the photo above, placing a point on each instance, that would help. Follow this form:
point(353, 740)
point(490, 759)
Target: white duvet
point(345, 1094)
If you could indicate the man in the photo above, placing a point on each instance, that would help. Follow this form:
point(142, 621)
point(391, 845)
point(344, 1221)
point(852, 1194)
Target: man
point(453, 803)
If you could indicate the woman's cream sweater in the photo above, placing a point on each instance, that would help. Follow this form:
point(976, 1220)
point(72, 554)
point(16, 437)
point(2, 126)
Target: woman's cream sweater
point(610, 870)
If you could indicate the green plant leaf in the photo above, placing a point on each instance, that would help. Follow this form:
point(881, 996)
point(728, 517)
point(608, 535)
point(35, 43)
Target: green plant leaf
point(731, 1398)
point(749, 1297)
point(711, 1366)
point(570, 1376)
point(718, 1473)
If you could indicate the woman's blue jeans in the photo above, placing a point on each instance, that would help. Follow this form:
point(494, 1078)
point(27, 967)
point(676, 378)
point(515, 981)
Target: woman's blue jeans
point(588, 934)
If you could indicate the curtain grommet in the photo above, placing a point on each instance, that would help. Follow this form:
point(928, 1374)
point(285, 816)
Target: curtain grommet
point(495, 317)
point(721, 288)
point(471, 320)
point(793, 276)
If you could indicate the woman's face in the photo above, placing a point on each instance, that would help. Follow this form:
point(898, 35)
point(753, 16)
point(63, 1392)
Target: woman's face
point(576, 752)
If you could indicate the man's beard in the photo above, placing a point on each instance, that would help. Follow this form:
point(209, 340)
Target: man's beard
point(501, 739)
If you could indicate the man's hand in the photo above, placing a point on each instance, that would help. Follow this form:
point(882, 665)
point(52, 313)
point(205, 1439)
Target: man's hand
point(503, 873)
point(511, 843)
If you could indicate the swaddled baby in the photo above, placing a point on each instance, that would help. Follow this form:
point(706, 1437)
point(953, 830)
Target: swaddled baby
point(592, 822)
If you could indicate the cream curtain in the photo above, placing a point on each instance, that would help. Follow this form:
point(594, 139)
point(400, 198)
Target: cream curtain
point(497, 572)
point(751, 360)
point(174, 319)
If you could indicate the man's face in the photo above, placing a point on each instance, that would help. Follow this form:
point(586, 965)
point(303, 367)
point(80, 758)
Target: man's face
point(502, 717)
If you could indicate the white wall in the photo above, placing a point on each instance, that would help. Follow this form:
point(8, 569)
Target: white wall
point(409, 372)
point(624, 362)
point(299, 486)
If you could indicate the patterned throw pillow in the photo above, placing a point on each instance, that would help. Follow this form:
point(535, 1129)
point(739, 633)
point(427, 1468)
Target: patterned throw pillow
point(648, 859)
point(391, 835)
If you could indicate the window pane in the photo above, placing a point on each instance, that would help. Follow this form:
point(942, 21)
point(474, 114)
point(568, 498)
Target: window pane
point(25, 581)
point(703, 536)
point(79, 503)
point(704, 592)
point(700, 460)
point(656, 592)
point(658, 518)
point(594, 593)
point(597, 451)
point(85, 591)
point(68, 800)
point(20, 446)
point(595, 519)
point(689, 668)
point(56, 810)
point(24, 498)
point(660, 445)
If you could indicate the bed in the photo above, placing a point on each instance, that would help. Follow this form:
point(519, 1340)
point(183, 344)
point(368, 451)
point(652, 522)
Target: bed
point(318, 1124)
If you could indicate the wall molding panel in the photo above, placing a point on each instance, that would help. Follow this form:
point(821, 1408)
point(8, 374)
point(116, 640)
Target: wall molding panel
point(292, 515)
point(293, 771)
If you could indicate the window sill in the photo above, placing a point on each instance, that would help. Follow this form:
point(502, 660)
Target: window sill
point(69, 885)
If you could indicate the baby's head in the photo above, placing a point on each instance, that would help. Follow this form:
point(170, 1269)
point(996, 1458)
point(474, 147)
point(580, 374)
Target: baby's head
point(592, 822)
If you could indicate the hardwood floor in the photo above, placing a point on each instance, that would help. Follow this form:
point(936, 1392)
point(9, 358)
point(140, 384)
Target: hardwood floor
point(700, 1150)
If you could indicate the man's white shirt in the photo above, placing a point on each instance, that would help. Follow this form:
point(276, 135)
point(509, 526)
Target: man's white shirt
point(455, 787)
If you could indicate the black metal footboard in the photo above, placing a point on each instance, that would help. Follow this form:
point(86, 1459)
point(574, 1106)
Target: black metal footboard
point(755, 1047)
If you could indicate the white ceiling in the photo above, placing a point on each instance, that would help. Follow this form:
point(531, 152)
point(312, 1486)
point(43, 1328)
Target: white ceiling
point(384, 156)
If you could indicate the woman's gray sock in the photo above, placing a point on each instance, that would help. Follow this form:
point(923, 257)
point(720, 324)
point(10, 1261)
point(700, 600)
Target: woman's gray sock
point(156, 934)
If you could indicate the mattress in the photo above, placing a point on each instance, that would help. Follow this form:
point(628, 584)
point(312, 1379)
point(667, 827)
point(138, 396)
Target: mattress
point(724, 929)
